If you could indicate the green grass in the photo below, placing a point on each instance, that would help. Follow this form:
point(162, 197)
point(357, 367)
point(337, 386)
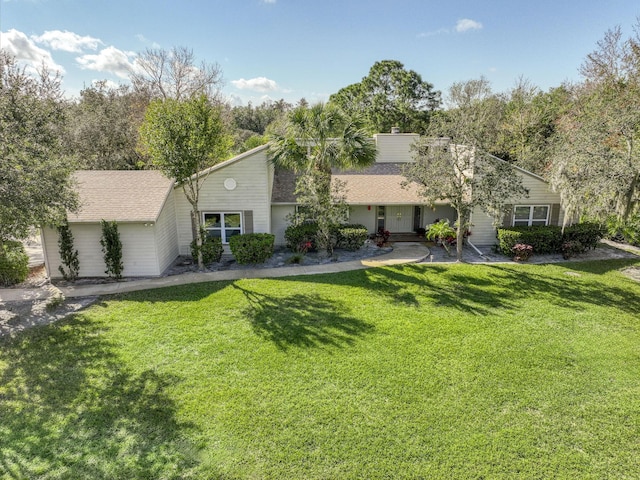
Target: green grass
point(423, 371)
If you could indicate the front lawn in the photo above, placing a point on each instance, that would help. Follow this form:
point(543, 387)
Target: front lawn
point(421, 371)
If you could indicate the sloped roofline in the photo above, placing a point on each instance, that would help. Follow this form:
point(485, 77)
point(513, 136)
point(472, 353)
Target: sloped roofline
point(226, 163)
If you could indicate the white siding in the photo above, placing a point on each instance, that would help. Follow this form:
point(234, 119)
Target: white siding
point(252, 192)
point(279, 222)
point(441, 212)
point(483, 231)
point(138, 250)
point(166, 234)
point(362, 215)
point(395, 147)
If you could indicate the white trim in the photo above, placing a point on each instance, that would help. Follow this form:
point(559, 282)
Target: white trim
point(530, 219)
point(222, 229)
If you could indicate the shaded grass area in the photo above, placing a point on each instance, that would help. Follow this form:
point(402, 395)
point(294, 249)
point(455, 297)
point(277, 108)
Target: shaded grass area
point(420, 371)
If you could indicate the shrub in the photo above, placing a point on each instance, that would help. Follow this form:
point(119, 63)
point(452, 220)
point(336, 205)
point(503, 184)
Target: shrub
point(14, 263)
point(68, 256)
point(550, 239)
point(624, 230)
point(211, 248)
point(298, 236)
point(522, 252)
point(351, 237)
point(571, 248)
point(443, 233)
point(252, 247)
point(112, 249)
point(588, 234)
point(543, 239)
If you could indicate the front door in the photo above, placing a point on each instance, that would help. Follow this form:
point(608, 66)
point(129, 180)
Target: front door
point(399, 219)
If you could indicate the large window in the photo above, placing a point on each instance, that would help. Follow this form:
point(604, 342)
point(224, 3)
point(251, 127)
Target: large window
point(528, 215)
point(223, 225)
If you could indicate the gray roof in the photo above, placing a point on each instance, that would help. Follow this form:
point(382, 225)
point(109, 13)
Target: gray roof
point(120, 195)
point(379, 184)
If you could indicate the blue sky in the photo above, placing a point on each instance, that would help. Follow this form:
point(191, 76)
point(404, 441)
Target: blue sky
point(300, 48)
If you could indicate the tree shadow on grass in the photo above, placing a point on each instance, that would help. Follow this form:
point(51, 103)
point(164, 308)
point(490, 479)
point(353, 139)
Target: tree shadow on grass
point(70, 409)
point(302, 320)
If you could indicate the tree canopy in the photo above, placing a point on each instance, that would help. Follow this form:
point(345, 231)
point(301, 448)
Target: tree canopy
point(596, 158)
point(36, 187)
point(311, 141)
point(183, 138)
point(390, 96)
point(452, 164)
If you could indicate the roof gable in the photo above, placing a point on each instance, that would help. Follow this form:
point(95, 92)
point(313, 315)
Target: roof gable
point(120, 195)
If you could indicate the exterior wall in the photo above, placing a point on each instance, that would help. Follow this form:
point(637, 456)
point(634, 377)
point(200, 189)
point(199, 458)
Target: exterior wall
point(252, 192)
point(166, 234)
point(360, 214)
point(441, 212)
point(483, 231)
point(278, 221)
point(395, 147)
point(138, 250)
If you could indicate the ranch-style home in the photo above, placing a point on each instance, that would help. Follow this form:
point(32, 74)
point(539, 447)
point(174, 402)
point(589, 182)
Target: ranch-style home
point(246, 194)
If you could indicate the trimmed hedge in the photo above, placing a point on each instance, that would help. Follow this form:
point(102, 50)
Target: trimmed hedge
point(211, 248)
point(351, 237)
point(14, 263)
point(297, 236)
point(550, 239)
point(252, 247)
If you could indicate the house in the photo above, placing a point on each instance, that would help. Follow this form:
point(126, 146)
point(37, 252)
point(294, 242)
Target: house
point(246, 194)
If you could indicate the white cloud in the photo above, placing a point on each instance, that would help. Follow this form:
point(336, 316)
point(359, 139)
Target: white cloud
point(144, 39)
point(24, 49)
point(269, 1)
point(108, 83)
point(466, 24)
point(463, 25)
point(67, 41)
point(258, 84)
point(110, 60)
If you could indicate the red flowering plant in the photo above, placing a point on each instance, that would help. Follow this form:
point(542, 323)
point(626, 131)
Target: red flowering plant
point(382, 237)
point(304, 247)
point(522, 252)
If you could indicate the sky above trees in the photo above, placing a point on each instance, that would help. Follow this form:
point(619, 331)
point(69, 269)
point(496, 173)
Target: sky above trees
point(271, 49)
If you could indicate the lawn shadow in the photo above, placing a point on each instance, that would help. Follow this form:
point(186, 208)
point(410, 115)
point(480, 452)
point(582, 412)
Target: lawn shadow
point(70, 408)
point(302, 320)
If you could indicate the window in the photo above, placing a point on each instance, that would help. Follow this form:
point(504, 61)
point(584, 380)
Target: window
point(223, 225)
point(380, 217)
point(528, 215)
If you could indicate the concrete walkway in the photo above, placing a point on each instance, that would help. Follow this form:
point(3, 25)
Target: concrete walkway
point(402, 253)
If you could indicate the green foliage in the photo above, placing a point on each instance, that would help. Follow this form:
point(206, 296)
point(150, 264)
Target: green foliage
point(550, 239)
point(112, 249)
point(252, 247)
point(311, 142)
point(183, 138)
point(301, 236)
point(68, 256)
point(351, 237)
point(442, 232)
point(390, 96)
point(543, 239)
point(596, 154)
point(103, 128)
point(14, 263)
point(588, 234)
point(211, 249)
point(624, 230)
point(571, 248)
point(36, 185)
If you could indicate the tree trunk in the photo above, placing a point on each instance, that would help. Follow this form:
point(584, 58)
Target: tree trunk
point(196, 221)
point(459, 236)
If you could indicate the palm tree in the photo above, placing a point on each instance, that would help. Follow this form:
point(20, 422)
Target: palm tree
point(311, 142)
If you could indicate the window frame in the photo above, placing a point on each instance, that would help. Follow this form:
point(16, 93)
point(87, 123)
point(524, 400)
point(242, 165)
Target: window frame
point(222, 229)
point(530, 219)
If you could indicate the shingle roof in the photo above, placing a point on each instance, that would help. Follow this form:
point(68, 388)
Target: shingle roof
point(380, 183)
point(122, 195)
